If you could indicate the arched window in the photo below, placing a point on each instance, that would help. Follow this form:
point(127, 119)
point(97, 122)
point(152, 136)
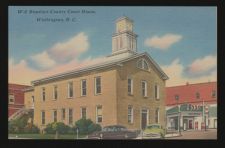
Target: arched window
point(142, 63)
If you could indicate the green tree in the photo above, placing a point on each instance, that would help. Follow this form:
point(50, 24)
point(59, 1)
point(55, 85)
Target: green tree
point(57, 128)
point(86, 126)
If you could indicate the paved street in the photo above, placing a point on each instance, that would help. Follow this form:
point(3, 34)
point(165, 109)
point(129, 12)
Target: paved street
point(209, 134)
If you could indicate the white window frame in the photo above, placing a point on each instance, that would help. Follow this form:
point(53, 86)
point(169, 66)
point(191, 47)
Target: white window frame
point(145, 88)
point(63, 116)
point(142, 64)
point(96, 85)
point(32, 98)
point(13, 98)
point(214, 91)
point(132, 114)
point(156, 92)
point(54, 97)
point(42, 117)
point(157, 109)
point(96, 113)
point(53, 115)
point(69, 116)
point(81, 112)
point(83, 88)
point(43, 91)
point(131, 86)
point(68, 90)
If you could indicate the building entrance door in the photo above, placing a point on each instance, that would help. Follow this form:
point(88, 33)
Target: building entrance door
point(190, 124)
point(144, 118)
point(185, 124)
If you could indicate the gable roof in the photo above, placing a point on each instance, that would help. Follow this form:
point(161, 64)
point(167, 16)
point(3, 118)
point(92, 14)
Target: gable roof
point(187, 93)
point(107, 62)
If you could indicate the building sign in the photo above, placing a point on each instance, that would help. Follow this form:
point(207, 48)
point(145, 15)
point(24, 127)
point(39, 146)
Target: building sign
point(190, 107)
point(191, 114)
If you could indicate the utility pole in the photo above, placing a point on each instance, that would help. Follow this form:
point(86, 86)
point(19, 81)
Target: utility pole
point(178, 115)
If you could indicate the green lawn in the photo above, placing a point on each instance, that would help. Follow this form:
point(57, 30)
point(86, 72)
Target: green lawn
point(44, 136)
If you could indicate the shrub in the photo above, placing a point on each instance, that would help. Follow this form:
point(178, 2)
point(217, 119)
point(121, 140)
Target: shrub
point(21, 126)
point(30, 128)
point(48, 129)
point(94, 127)
point(57, 126)
point(86, 126)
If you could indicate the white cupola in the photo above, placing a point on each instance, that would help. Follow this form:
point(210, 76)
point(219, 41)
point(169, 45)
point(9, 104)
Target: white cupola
point(124, 39)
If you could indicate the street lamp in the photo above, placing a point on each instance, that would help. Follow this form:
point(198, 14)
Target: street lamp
point(204, 115)
point(178, 115)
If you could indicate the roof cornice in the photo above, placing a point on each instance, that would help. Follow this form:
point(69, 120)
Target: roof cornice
point(98, 67)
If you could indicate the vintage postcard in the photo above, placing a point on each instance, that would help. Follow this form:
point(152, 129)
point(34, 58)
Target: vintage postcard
point(112, 72)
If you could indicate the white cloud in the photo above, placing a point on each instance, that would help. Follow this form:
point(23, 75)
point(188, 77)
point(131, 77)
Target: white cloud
point(21, 73)
point(202, 65)
point(70, 49)
point(163, 42)
point(43, 60)
point(61, 52)
point(175, 71)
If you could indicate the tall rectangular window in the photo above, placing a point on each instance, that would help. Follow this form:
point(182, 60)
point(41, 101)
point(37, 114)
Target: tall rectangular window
point(130, 86)
point(156, 91)
point(70, 116)
point(83, 112)
point(63, 113)
point(97, 85)
point(55, 92)
point(213, 94)
point(70, 89)
point(11, 99)
point(157, 115)
point(43, 94)
point(54, 115)
point(130, 114)
point(83, 87)
point(43, 117)
point(98, 114)
point(197, 95)
point(32, 97)
point(144, 88)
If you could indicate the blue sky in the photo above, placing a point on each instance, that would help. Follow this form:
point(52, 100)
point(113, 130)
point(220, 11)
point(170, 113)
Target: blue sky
point(189, 33)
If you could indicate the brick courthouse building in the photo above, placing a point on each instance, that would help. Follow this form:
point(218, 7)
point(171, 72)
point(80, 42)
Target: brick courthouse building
point(126, 88)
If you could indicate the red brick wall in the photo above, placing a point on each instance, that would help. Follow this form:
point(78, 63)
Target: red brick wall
point(18, 92)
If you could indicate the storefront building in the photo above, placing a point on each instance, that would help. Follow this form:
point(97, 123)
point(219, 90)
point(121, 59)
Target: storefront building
point(192, 106)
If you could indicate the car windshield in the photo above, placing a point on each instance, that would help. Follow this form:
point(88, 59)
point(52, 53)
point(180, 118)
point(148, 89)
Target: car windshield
point(113, 129)
point(153, 126)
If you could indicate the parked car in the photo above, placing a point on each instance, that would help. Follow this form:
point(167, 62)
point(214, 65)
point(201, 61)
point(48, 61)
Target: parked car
point(153, 131)
point(114, 132)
